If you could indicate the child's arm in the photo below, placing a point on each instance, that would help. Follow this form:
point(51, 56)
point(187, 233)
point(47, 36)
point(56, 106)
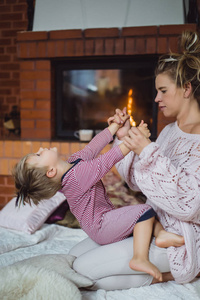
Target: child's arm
point(94, 147)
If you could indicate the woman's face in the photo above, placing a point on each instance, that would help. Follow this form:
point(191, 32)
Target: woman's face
point(169, 97)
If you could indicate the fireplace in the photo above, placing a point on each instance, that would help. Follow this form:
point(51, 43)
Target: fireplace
point(89, 90)
point(46, 56)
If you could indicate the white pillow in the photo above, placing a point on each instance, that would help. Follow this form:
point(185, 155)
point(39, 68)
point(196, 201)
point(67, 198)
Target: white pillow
point(29, 218)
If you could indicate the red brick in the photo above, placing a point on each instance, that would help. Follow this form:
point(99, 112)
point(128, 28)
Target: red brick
point(139, 31)
point(35, 94)
point(27, 84)
point(42, 134)
point(27, 104)
point(119, 46)
point(79, 48)
point(35, 75)
point(5, 8)
point(15, 75)
point(32, 36)
point(11, 17)
point(65, 34)
point(5, 191)
point(35, 114)
point(89, 47)
point(4, 75)
point(9, 83)
point(5, 92)
point(151, 45)
point(51, 49)
point(60, 48)
point(10, 180)
point(9, 66)
point(101, 32)
point(5, 25)
point(8, 33)
point(20, 7)
point(43, 104)
point(109, 46)
point(32, 49)
point(162, 45)
point(42, 49)
point(11, 100)
point(43, 65)
point(5, 42)
point(11, 50)
point(43, 85)
point(130, 46)
point(173, 44)
point(27, 124)
point(70, 48)
point(2, 180)
point(27, 65)
point(43, 124)
point(140, 46)
point(99, 47)
point(22, 50)
point(176, 29)
point(20, 24)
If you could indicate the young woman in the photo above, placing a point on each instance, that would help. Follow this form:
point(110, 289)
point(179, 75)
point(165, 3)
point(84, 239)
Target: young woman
point(166, 171)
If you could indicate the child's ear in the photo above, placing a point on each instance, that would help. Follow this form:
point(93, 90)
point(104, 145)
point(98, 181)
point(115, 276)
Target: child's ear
point(51, 172)
point(187, 90)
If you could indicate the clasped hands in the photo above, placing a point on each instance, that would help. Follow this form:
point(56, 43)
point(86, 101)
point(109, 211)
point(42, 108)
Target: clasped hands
point(134, 138)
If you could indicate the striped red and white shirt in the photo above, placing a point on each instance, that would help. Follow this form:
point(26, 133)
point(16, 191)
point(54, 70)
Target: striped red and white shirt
point(86, 194)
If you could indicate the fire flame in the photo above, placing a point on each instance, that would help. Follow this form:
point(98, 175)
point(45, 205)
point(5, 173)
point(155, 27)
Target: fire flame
point(129, 107)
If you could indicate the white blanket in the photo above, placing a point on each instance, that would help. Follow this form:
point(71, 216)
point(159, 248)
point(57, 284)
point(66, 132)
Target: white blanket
point(44, 255)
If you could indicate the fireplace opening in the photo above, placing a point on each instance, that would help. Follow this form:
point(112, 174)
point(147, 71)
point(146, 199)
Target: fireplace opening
point(89, 90)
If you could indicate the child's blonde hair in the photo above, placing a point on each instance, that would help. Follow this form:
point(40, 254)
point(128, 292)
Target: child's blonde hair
point(32, 184)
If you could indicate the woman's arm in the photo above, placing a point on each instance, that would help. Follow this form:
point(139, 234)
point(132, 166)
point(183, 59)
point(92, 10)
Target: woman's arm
point(174, 189)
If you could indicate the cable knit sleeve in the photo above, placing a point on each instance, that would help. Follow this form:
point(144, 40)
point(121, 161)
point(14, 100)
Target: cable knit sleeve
point(125, 167)
point(170, 179)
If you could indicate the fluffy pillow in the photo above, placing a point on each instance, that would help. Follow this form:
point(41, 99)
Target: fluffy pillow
point(29, 218)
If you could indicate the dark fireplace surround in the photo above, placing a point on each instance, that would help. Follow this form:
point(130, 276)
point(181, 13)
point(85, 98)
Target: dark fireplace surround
point(39, 53)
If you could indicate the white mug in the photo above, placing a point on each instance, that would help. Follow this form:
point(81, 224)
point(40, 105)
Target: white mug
point(84, 135)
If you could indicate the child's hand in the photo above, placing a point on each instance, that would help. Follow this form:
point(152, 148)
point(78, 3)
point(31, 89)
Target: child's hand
point(123, 120)
point(119, 118)
point(143, 127)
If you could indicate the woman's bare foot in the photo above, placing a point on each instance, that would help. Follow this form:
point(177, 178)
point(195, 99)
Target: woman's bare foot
point(166, 239)
point(145, 266)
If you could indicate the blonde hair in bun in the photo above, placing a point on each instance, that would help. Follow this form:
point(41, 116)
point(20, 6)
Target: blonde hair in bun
point(184, 67)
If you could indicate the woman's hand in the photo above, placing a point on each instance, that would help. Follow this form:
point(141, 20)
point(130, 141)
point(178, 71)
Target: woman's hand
point(135, 140)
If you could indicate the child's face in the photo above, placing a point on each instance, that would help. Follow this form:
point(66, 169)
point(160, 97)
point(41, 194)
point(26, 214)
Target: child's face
point(44, 157)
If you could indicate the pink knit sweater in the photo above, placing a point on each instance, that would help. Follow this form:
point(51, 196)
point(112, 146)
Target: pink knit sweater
point(168, 173)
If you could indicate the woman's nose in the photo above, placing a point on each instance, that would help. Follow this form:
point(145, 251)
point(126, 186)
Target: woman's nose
point(157, 99)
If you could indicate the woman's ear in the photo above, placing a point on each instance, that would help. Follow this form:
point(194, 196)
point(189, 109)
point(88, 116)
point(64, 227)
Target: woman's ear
point(187, 90)
point(51, 172)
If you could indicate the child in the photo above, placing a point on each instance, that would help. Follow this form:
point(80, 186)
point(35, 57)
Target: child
point(40, 175)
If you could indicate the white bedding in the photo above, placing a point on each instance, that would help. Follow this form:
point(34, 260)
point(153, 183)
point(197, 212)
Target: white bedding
point(53, 240)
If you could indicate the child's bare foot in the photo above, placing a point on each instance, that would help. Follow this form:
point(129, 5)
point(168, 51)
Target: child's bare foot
point(145, 266)
point(166, 239)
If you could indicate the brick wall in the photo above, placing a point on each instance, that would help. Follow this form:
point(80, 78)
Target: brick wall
point(13, 18)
